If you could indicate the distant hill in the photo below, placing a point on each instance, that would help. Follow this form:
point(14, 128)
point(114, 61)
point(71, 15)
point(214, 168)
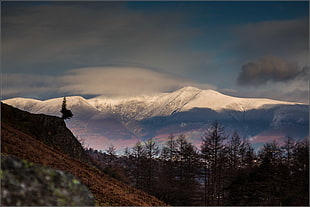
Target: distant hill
point(45, 140)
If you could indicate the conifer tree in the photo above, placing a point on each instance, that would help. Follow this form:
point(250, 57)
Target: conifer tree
point(66, 114)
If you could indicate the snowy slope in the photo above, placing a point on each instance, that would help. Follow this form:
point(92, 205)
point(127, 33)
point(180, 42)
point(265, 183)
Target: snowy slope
point(51, 106)
point(185, 99)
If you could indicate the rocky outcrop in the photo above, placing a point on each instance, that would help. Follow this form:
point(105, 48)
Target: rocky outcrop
point(26, 184)
point(51, 130)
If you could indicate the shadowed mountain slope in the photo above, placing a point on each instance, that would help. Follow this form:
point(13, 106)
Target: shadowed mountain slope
point(28, 136)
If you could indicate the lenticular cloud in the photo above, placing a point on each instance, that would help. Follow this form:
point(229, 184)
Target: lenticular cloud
point(122, 81)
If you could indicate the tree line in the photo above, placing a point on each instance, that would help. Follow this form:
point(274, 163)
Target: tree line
point(224, 170)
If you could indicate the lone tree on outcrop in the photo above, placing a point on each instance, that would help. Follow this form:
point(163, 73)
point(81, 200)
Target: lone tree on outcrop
point(66, 114)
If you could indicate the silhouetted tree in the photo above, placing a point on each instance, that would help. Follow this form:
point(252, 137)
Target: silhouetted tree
point(213, 152)
point(272, 153)
point(235, 151)
point(288, 148)
point(151, 152)
point(138, 155)
point(66, 114)
point(166, 187)
point(248, 155)
point(187, 162)
point(300, 176)
point(111, 151)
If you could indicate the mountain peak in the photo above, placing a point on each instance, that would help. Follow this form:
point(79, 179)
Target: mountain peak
point(188, 89)
point(194, 90)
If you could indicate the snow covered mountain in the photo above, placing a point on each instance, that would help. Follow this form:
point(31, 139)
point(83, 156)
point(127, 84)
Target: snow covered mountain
point(184, 99)
point(124, 120)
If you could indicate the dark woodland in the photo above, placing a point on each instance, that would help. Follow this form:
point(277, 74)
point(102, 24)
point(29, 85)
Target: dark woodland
point(224, 170)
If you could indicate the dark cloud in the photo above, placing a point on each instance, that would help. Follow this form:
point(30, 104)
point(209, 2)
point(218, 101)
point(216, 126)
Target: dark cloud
point(28, 85)
point(270, 68)
point(282, 75)
point(285, 38)
point(60, 36)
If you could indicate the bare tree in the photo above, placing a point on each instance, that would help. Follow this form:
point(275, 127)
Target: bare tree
point(111, 151)
point(187, 160)
point(138, 155)
point(212, 151)
point(151, 152)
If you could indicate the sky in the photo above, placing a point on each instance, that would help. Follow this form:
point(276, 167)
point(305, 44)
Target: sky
point(240, 48)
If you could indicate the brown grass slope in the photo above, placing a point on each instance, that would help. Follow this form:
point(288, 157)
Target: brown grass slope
point(106, 190)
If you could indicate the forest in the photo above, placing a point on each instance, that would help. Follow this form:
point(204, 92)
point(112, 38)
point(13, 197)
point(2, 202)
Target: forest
point(224, 170)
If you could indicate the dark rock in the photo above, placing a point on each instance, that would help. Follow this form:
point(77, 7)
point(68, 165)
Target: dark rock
point(51, 130)
point(24, 183)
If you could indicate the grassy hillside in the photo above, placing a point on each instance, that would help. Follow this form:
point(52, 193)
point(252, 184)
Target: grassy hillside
point(20, 141)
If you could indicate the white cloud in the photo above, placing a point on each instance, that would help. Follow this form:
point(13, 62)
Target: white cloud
point(111, 81)
point(122, 81)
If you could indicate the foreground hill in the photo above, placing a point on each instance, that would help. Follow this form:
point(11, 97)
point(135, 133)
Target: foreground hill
point(124, 120)
point(50, 130)
point(17, 139)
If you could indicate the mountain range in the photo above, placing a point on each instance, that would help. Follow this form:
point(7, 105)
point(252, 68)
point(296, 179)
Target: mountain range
point(122, 121)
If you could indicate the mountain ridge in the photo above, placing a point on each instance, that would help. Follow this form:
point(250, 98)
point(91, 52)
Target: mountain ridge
point(161, 104)
point(124, 120)
point(187, 98)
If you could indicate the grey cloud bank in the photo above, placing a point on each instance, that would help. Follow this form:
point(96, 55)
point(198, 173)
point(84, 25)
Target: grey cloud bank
point(270, 68)
point(28, 85)
point(282, 72)
point(52, 38)
point(275, 78)
point(284, 38)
